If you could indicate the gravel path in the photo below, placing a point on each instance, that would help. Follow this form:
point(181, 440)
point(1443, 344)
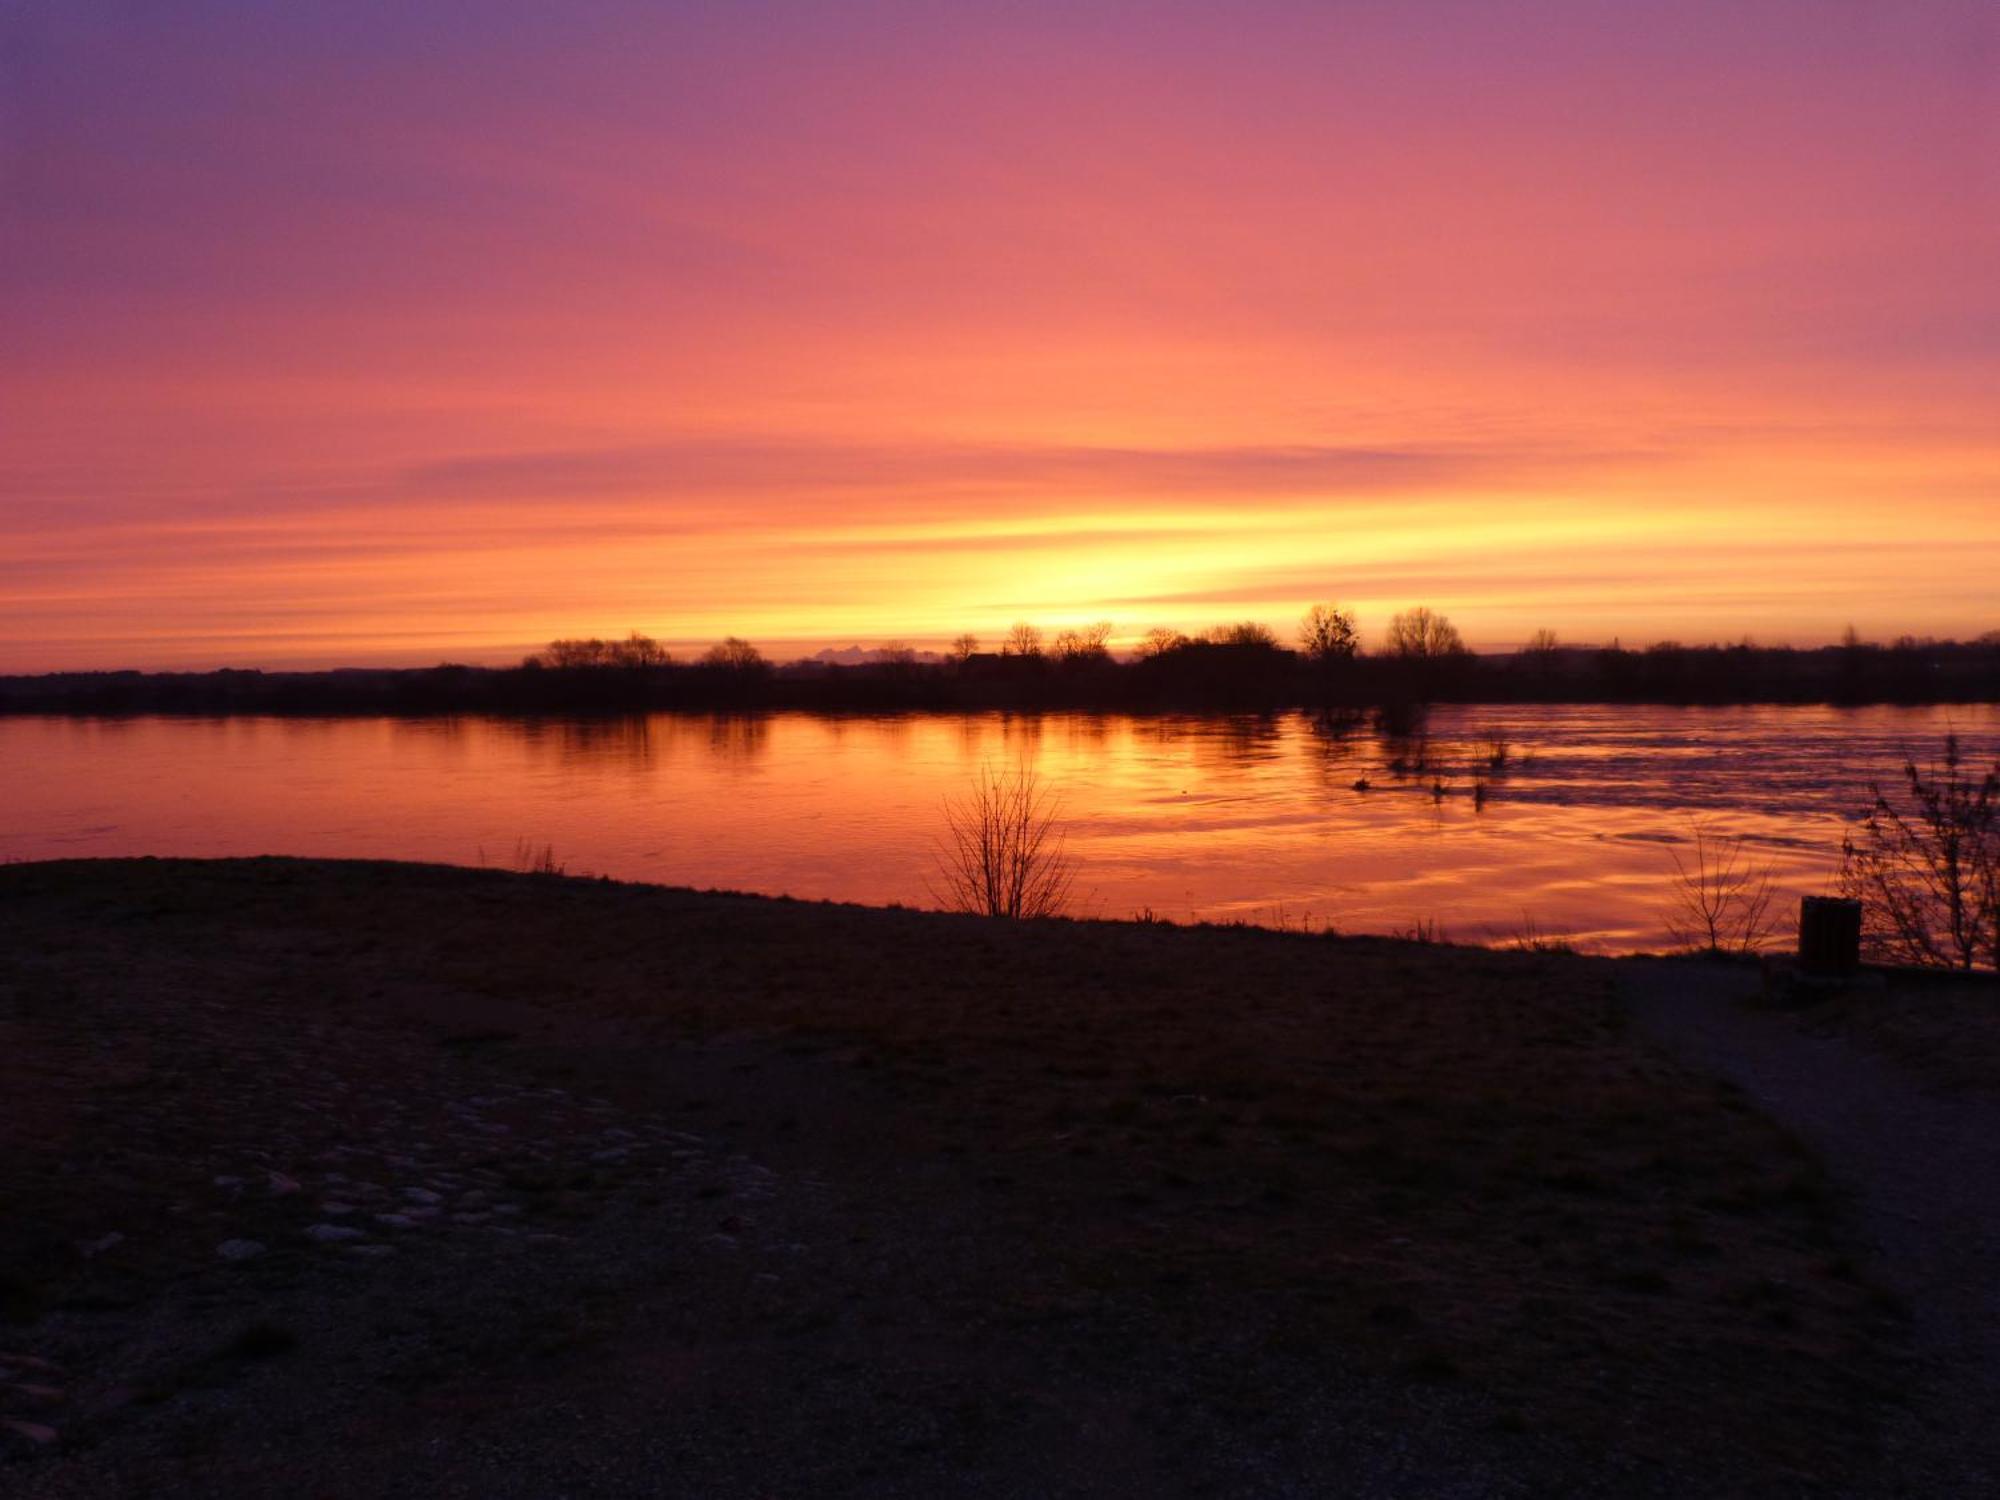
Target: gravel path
point(1923, 1169)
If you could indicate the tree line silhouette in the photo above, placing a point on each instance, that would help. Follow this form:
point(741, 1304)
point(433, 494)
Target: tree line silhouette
point(1240, 667)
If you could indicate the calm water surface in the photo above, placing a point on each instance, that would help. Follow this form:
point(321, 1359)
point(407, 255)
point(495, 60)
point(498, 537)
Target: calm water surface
point(1213, 818)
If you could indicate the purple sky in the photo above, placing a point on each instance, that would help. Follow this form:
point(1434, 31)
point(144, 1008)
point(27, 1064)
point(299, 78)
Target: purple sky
point(397, 332)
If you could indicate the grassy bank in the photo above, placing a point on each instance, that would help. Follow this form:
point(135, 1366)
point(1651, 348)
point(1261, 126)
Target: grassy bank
point(1212, 1202)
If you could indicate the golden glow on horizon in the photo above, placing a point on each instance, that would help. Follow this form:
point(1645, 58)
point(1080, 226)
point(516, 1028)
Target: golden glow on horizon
point(838, 331)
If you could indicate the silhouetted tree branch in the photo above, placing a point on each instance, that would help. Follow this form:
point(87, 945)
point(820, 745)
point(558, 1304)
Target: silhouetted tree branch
point(1927, 873)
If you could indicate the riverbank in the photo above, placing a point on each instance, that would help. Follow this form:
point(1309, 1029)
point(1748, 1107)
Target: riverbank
point(501, 1184)
point(1193, 676)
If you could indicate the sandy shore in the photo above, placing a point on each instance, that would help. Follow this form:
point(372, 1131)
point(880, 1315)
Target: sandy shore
point(440, 1181)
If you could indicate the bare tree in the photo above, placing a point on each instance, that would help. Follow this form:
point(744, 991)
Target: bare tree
point(1087, 643)
point(1159, 641)
point(1721, 901)
point(963, 647)
point(1542, 643)
point(1023, 640)
point(634, 651)
point(1003, 853)
point(1244, 633)
point(1928, 875)
point(1327, 634)
point(735, 654)
point(638, 651)
point(1424, 633)
point(575, 654)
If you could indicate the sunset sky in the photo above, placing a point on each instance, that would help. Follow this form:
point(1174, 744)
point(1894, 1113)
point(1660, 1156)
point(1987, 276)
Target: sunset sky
point(360, 333)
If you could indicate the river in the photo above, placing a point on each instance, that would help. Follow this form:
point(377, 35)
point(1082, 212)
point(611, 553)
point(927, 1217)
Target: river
point(1221, 819)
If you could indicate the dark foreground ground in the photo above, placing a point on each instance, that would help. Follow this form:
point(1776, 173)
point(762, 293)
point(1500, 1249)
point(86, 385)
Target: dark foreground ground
point(366, 1179)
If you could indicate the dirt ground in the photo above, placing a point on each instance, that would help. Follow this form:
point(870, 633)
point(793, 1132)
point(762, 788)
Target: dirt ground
point(370, 1179)
point(1882, 1078)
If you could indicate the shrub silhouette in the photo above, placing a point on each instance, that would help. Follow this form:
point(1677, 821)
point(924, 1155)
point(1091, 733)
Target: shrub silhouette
point(1927, 873)
point(1003, 853)
point(1721, 902)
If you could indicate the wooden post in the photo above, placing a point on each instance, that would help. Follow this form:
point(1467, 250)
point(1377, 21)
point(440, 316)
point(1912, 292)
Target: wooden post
point(1829, 936)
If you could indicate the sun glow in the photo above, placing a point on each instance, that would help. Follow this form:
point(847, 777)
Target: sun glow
point(802, 335)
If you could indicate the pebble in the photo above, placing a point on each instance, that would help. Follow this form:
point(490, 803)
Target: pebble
point(328, 1234)
point(240, 1249)
point(337, 1210)
point(421, 1195)
point(396, 1221)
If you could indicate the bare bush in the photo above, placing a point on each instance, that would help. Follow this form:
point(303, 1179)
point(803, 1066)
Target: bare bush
point(1721, 900)
point(1003, 853)
point(1927, 875)
point(1530, 938)
point(530, 860)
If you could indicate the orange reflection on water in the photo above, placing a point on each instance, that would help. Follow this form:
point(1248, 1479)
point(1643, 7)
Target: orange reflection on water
point(1242, 818)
